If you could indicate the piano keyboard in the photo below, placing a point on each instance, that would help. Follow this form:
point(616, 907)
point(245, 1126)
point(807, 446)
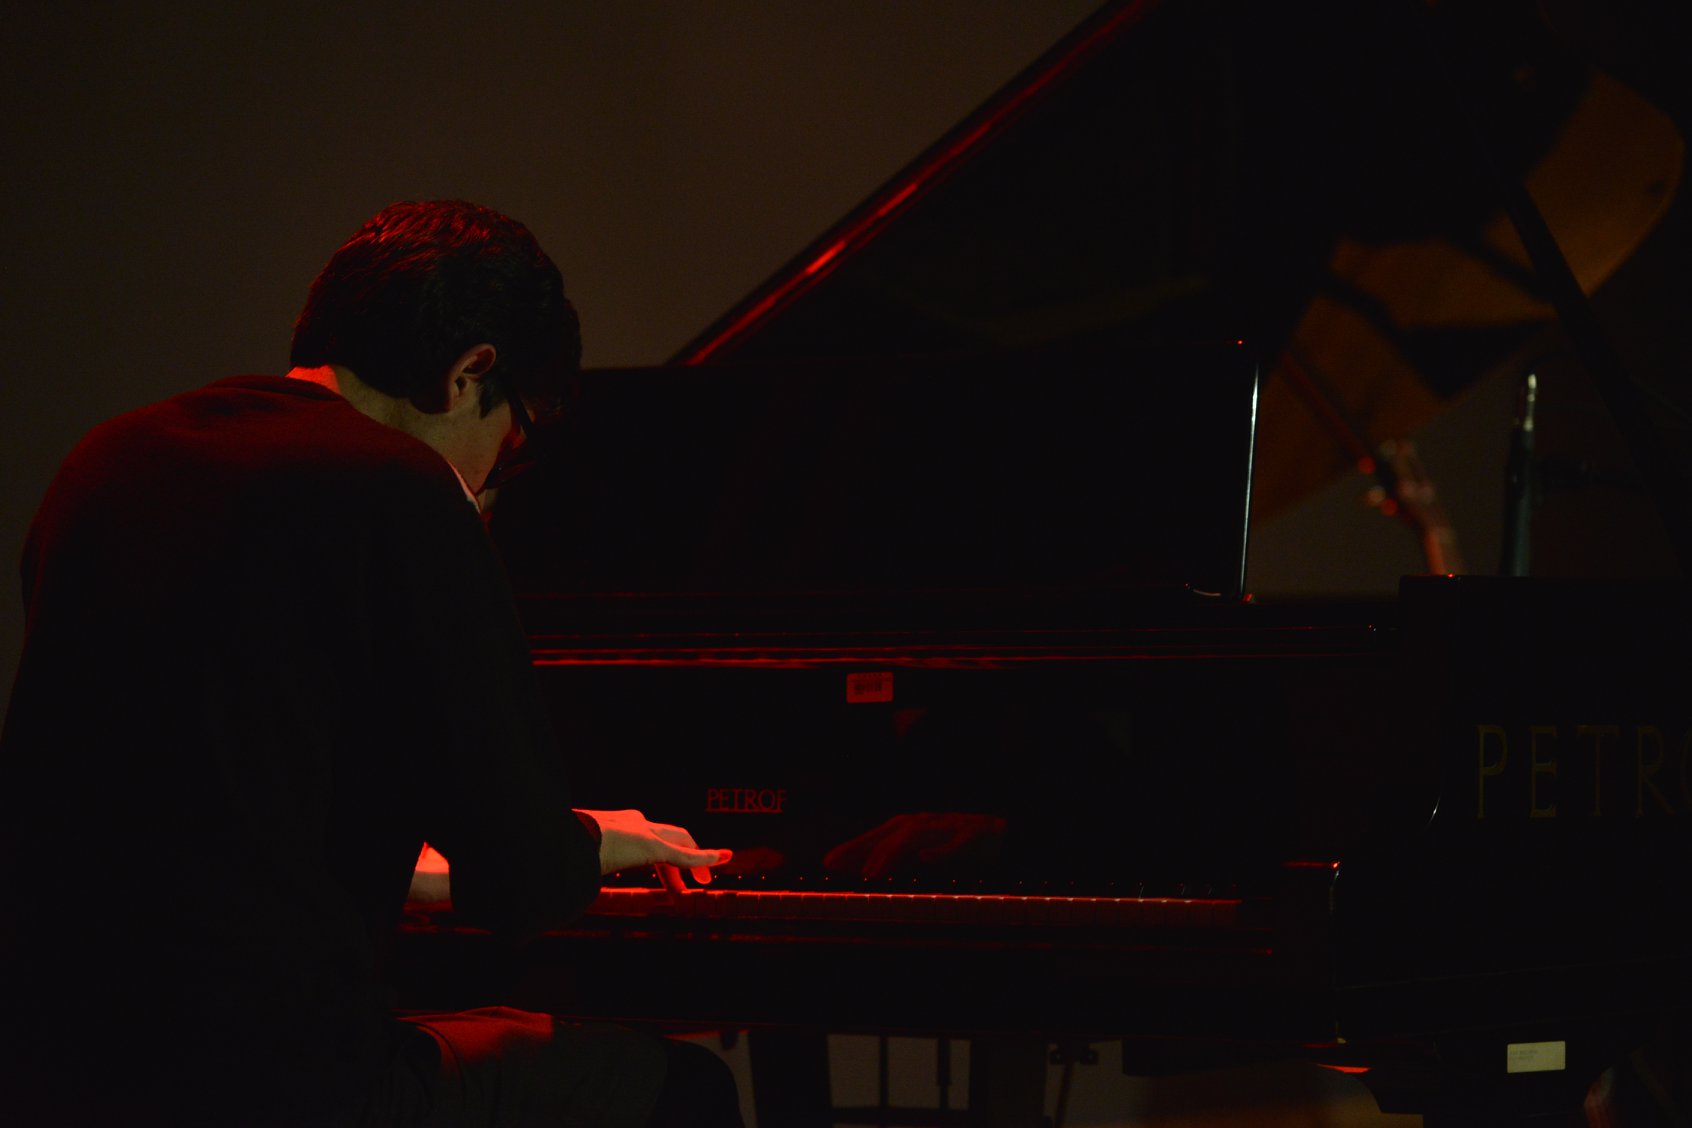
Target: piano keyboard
point(921, 908)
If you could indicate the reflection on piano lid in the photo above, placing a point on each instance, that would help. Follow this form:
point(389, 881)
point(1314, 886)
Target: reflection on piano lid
point(1303, 177)
point(1168, 175)
point(1181, 168)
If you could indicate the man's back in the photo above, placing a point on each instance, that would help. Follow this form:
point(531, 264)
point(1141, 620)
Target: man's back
point(267, 646)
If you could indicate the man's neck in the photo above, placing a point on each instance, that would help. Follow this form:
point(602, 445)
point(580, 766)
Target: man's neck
point(388, 410)
point(344, 382)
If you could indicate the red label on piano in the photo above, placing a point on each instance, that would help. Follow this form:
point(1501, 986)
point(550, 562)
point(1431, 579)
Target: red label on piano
point(869, 687)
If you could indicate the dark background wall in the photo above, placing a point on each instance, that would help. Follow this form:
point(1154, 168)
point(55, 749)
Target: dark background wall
point(177, 172)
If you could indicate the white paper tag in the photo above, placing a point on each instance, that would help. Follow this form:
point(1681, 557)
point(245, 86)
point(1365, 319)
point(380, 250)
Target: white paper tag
point(1535, 1057)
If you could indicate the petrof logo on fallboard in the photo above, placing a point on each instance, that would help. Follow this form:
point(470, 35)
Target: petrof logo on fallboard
point(745, 800)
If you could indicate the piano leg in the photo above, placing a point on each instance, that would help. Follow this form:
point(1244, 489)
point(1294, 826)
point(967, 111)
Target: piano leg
point(790, 1084)
point(790, 1081)
point(1007, 1081)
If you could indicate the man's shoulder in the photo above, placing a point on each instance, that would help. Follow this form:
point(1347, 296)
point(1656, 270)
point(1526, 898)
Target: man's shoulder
point(297, 420)
point(267, 438)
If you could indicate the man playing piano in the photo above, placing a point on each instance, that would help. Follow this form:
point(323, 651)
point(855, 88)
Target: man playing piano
point(270, 651)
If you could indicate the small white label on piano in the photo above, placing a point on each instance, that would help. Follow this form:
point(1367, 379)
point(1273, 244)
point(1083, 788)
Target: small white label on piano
point(864, 688)
point(1534, 1057)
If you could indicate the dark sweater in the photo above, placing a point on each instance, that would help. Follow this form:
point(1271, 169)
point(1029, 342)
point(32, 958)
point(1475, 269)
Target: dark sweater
point(269, 652)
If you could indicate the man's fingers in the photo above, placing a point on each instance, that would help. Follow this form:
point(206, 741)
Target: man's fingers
point(697, 858)
point(628, 839)
point(699, 862)
point(702, 872)
point(671, 877)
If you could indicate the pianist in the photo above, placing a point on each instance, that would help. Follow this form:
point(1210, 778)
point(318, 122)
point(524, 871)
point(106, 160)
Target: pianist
point(269, 652)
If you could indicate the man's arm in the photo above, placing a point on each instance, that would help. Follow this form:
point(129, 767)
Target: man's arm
point(626, 840)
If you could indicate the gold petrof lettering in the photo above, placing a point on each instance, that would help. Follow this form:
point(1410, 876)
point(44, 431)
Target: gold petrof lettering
point(1597, 733)
point(1648, 769)
point(1489, 769)
point(1685, 782)
point(1541, 765)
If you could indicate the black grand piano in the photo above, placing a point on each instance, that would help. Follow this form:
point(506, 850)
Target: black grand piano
point(919, 578)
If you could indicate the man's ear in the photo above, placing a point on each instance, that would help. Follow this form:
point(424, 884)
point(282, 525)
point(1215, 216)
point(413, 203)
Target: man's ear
point(464, 378)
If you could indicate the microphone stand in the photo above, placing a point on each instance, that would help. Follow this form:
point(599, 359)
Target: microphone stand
point(1451, 76)
point(1520, 484)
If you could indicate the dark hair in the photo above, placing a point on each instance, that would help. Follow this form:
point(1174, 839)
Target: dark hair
point(424, 280)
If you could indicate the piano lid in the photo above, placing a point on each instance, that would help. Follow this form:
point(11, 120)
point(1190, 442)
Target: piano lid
point(1184, 169)
point(1169, 177)
point(1296, 176)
